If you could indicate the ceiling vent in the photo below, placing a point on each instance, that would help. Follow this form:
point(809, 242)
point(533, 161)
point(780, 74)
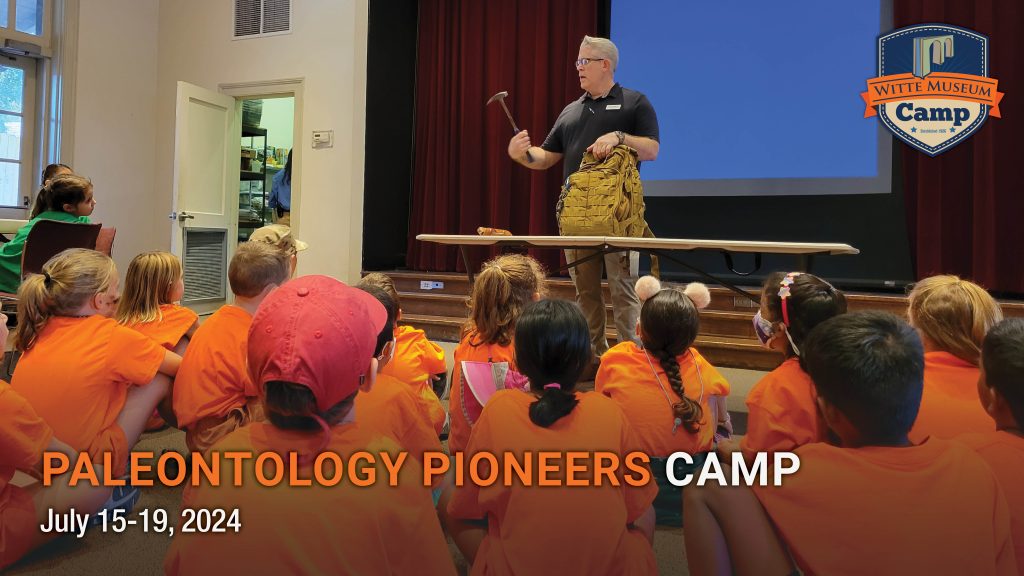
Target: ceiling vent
point(256, 18)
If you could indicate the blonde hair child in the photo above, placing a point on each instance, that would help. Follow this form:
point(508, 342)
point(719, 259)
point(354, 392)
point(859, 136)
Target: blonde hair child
point(24, 504)
point(952, 316)
point(153, 284)
point(93, 381)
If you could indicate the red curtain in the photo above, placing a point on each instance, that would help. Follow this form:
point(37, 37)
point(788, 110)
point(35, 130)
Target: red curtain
point(965, 207)
point(463, 178)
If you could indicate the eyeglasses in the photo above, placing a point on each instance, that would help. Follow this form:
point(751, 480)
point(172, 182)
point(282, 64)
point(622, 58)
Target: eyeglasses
point(584, 61)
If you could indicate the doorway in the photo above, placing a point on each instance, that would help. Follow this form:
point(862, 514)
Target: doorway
point(265, 180)
point(219, 197)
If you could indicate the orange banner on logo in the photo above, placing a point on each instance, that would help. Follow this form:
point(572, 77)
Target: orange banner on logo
point(944, 85)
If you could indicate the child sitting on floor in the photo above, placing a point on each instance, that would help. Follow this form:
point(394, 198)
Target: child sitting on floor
point(24, 436)
point(501, 290)
point(874, 504)
point(391, 406)
point(212, 393)
point(782, 414)
point(92, 380)
point(666, 388)
point(152, 287)
point(541, 530)
point(952, 317)
point(310, 352)
point(416, 360)
point(1001, 388)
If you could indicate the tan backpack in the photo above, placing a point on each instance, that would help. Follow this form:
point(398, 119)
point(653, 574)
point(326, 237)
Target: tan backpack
point(605, 198)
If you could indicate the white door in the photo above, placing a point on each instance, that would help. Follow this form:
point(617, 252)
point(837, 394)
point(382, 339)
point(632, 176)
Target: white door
point(204, 215)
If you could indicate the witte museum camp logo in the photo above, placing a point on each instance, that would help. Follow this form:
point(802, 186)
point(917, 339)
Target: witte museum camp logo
point(932, 89)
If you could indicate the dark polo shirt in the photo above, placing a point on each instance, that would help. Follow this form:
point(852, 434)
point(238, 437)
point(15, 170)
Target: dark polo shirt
point(587, 119)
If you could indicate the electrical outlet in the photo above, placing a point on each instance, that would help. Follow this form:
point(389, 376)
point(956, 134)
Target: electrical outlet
point(426, 284)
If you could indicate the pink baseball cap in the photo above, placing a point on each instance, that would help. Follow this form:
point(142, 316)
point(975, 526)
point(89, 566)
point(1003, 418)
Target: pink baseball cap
point(317, 332)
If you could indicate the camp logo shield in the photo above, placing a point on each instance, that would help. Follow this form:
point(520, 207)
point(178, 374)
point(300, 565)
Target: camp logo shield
point(932, 90)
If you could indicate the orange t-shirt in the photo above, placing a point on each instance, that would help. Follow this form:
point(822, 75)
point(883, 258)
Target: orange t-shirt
point(391, 408)
point(949, 403)
point(935, 508)
point(23, 437)
point(556, 530)
point(214, 376)
point(343, 529)
point(782, 413)
point(76, 377)
point(1004, 453)
point(626, 376)
point(175, 321)
point(470, 350)
point(416, 359)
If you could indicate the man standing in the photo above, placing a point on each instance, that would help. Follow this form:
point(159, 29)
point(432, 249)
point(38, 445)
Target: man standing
point(605, 116)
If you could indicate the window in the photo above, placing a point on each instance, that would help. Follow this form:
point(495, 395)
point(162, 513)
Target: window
point(26, 51)
point(26, 21)
point(17, 118)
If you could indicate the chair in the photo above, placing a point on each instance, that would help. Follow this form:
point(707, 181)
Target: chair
point(51, 237)
point(105, 241)
point(47, 239)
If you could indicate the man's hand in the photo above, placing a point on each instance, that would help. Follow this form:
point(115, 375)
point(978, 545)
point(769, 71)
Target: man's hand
point(518, 146)
point(602, 147)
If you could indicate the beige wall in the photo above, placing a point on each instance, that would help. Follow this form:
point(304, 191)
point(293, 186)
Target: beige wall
point(131, 54)
point(327, 50)
point(115, 120)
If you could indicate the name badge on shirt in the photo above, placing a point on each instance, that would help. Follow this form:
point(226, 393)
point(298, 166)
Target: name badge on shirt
point(613, 107)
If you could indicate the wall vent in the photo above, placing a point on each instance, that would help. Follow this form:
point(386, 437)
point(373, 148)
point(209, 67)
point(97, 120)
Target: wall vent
point(258, 18)
point(206, 255)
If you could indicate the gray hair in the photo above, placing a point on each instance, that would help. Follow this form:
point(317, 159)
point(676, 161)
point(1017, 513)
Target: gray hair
point(605, 47)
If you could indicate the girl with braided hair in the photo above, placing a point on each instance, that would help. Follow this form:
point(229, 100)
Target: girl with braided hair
point(670, 394)
point(665, 387)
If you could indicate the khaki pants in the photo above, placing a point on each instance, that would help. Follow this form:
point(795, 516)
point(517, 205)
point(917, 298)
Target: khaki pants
point(622, 269)
point(202, 435)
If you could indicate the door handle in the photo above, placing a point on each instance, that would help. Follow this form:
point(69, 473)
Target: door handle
point(181, 216)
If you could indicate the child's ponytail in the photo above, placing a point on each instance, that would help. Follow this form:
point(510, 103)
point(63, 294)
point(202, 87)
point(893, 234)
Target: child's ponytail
point(669, 324)
point(34, 305)
point(503, 288)
point(553, 404)
point(67, 282)
point(552, 350)
point(62, 189)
